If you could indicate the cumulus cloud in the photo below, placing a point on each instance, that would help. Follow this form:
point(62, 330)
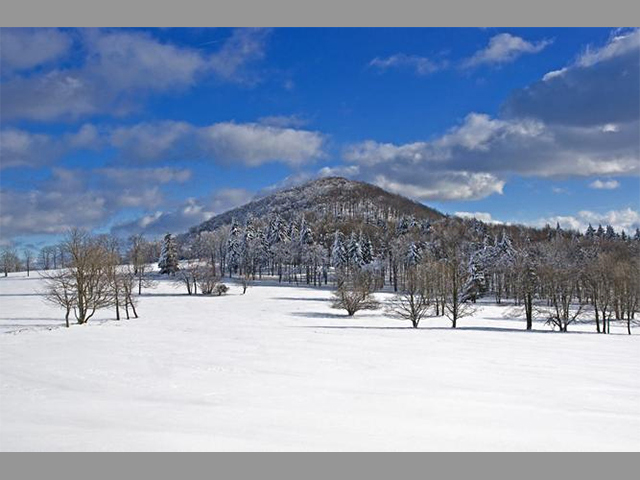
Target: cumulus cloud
point(254, 144)
point(420, 65)
point(164, 140)
point(604, 184)
point(241, 49)
point(187, 214)
point(482, 216)
point(625, 219)
point(446, 185)
point(251, 144)
point(20, 148)
point(599, 89)
point(81, 198)
point(580, 121)
point(24, 49)
point(483, 150)
point(120, 69)
point(504, 48)
point(283, 121)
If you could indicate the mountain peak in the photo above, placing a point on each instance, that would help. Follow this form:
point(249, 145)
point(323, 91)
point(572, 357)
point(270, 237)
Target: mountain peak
point(336, 197)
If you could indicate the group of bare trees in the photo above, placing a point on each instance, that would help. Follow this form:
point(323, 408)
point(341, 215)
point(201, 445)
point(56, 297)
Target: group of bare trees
point(439, 268)
point(94, 276)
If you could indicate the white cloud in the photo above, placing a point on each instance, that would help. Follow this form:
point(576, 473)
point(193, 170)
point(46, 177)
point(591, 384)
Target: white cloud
point(246, 45)
point(254, 144)
point(599, 89)
point(526, 147)
point(421, 65)
point(189, 213)
point(153, 141)
point(81, 198)
point(482, 216)
point(625, 219)
point(251, 144)
point(445, 185)
point(504, 48)
point(120, 69)
point(24, 49)
point(619, 44)
point(19, 148)
point(283, 121)
point(604, 184)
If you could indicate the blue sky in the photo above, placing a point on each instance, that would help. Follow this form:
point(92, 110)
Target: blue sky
point(155, 130)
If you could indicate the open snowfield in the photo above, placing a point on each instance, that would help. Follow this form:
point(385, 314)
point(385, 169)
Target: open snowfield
point(277, 369)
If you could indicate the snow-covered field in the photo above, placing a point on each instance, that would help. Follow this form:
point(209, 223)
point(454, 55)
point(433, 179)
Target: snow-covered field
point(277, 369)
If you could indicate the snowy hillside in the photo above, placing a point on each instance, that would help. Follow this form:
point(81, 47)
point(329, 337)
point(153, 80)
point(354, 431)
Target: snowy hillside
point(333, 196)
point(277, 369)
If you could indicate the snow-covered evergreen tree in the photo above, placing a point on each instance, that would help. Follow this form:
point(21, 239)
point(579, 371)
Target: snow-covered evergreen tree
point(306, 236)
point(234, 247)
point(338, 251)
point(168, 262)
point(590, 232)
point(354, 251)
point(367, 249)
point(413, 256)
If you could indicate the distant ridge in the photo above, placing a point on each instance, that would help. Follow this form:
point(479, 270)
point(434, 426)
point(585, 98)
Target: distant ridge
point(335, 197)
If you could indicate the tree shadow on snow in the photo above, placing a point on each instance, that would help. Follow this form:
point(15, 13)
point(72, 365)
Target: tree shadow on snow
point(309, 299)
point(328, 315)
point(21, 294)
point(356, 327)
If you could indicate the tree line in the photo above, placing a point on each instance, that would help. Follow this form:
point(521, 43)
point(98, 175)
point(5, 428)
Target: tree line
point(439, 267)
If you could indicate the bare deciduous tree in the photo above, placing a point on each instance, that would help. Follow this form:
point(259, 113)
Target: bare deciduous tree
point(355, 293)
point(413, 303)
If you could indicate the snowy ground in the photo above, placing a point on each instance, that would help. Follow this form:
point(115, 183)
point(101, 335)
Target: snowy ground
point(277, 369)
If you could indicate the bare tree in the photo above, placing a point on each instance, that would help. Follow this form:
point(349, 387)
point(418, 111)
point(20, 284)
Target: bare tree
point(10, 260)
point(207, 279)
point(127, 279)
point(413, 302)
point(27, 255)
point(560, 273)
point(141, 254)
point(61, 290)
point(355, 292)
point(456, 274)
point(188, 275)
point(88, 264)
point(245, 281)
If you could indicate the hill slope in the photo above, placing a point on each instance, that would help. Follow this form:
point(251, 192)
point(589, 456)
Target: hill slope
point(331, 196)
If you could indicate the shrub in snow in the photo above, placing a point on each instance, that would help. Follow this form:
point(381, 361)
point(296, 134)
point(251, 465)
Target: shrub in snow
point(221, 289)
point(413, 303)
point(355, 292)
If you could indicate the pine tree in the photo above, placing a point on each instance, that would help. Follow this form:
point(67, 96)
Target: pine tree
point(590, 232)
point(610, 233)
point(354, 251)
point(234, 246)
point(367, 249)
point(306, 237)
point(413, 255)
point(338, 251)
point(168, 262)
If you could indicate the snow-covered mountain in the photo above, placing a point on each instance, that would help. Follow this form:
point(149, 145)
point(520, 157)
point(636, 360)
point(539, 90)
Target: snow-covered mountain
point(335, 197)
